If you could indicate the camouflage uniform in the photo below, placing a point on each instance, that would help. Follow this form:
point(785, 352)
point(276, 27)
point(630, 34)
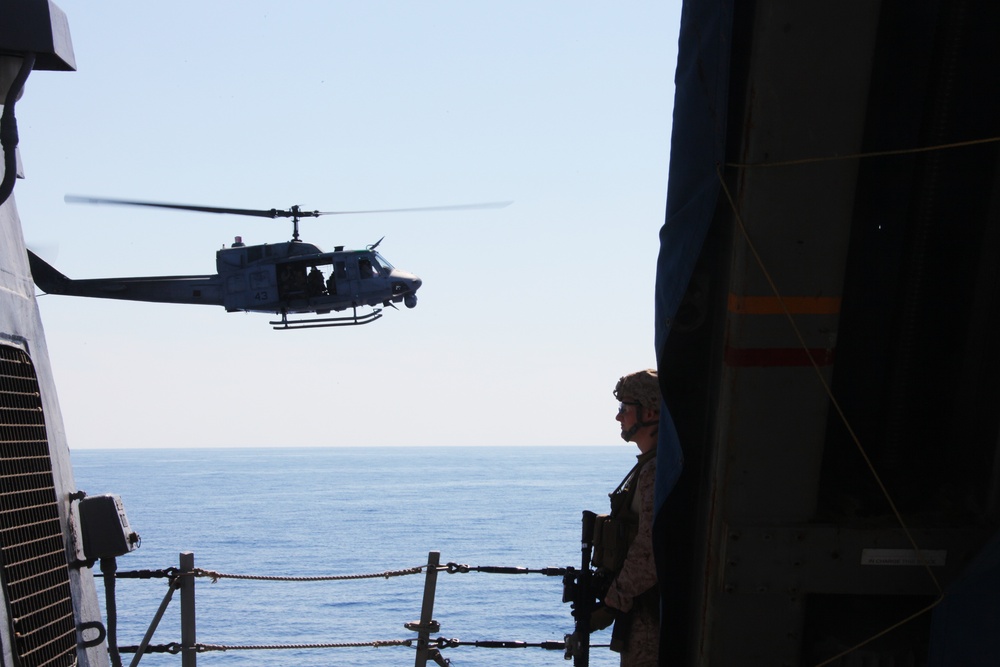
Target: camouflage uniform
point(634, 588)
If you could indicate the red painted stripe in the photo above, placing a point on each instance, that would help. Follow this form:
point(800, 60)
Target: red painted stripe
point(777, 357)
point(796, 305)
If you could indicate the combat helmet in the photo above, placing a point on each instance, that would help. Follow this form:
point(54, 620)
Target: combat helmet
point(642, 387)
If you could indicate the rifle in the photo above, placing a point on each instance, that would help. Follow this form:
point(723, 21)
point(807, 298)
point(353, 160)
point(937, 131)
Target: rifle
point(579, 590)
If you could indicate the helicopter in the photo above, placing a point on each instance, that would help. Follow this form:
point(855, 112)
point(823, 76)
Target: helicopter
point(291, 278)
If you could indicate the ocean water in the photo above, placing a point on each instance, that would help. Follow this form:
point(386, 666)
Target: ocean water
point(346, 511)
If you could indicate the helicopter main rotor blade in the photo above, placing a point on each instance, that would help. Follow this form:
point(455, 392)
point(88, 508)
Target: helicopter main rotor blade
point(496, 204)
point(260, 213)
point(293, 212)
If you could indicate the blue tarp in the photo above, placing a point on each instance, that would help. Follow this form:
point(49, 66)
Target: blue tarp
point(698, 144)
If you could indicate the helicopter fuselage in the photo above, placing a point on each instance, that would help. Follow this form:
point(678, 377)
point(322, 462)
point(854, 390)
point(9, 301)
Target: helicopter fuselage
point(298, 277)
point(292, 277)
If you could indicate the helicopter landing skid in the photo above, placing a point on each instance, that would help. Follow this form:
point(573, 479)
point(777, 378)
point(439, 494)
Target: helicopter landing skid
point(317, 322)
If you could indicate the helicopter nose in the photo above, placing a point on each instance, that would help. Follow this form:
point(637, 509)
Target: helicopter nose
point(414, 283)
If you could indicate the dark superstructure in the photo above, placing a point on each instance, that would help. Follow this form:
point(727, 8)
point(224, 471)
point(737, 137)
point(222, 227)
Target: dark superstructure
point(827, 300)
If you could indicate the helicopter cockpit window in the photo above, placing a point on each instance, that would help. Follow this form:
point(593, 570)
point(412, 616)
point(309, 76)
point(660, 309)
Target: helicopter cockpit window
point(365, 267)
point(384, 266)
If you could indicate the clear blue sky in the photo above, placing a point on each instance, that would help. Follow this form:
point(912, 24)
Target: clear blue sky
point(527, 316)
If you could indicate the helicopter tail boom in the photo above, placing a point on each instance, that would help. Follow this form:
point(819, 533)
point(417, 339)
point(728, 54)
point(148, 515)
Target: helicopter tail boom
point(162, 289)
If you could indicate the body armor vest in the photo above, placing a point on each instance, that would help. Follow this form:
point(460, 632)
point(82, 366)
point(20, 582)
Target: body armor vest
point(614, 532)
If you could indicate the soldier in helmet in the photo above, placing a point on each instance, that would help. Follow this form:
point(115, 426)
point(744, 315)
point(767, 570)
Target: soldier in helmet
point(624, 555)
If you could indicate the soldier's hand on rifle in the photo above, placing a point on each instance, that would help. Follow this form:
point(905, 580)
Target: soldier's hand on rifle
point(602, 616)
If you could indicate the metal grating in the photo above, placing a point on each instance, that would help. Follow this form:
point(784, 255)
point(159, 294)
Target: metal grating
point(35, 575)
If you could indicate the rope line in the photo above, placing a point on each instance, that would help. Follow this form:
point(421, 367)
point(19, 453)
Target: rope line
point(860, 156)
point(215, 576)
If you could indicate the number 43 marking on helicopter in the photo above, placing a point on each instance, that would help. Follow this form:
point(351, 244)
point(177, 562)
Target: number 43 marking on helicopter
point(292, 278)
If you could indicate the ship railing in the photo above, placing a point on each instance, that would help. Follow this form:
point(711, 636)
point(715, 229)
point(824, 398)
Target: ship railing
point(428, 649)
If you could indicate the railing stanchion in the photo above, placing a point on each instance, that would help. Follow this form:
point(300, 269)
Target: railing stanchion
point(189, 654)
point(427, 609)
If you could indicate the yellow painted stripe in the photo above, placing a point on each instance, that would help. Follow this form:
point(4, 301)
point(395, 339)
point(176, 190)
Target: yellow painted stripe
point(796, 305)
